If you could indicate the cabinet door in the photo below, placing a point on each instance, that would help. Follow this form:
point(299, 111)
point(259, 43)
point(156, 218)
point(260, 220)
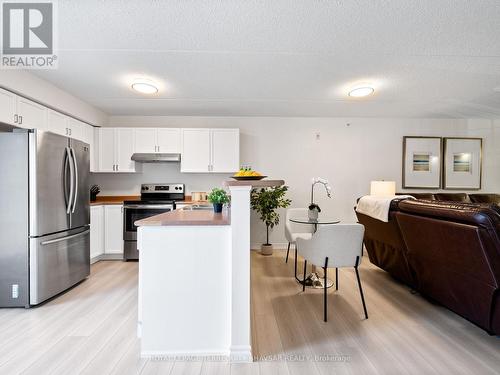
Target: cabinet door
point(225, 150)
point(195, 150)
point(96, 231)
point(57, 123)
point(169, 141)
point(76, 129)
point(124, 142)
point(106, 150)
point(31, 115)
point(113, 229)
point(7, 107)
point(145, 141)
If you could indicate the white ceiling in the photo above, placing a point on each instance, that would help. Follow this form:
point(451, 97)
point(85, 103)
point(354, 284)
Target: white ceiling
point(426, 58)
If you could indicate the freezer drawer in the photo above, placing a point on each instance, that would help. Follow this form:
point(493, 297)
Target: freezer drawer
point(57, 262)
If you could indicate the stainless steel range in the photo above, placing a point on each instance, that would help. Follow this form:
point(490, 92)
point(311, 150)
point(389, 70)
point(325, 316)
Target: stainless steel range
point(155, 199)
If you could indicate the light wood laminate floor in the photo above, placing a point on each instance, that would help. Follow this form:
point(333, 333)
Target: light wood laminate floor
point(91, 329)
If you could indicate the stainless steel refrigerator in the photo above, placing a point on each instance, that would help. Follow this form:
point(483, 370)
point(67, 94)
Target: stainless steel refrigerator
point(44, 216)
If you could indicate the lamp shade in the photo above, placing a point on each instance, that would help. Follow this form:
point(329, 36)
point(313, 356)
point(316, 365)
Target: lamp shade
point(383, 188)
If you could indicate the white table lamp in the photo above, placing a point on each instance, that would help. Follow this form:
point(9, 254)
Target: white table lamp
point(383, 188)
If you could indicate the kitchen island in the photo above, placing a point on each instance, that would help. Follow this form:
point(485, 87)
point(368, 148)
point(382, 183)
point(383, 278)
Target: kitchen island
point(194, 281)
point(185, 283)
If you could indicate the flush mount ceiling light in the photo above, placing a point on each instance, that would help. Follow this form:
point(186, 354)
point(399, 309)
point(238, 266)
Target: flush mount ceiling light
point(144, 86)
point(360, 92)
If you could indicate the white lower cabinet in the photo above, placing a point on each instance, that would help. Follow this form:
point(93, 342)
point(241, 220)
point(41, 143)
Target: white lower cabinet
point(113, 229)
point(96, 232)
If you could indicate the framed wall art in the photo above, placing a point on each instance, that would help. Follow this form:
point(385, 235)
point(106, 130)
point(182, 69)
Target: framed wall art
point(462, 163)
point(422, 162)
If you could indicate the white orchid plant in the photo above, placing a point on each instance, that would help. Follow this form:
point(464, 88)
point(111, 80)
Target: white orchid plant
point(328, 188)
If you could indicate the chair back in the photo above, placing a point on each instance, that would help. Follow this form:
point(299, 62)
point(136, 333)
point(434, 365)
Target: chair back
point(341, 243)
point(291, 227)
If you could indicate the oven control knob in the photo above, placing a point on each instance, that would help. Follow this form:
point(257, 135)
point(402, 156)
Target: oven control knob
point(146, 188)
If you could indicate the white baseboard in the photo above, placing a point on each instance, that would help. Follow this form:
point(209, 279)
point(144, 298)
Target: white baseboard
point(241, 353)
point(106, 257)
point(168, 355)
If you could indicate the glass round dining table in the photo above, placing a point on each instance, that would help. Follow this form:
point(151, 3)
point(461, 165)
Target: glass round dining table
point(313, 280)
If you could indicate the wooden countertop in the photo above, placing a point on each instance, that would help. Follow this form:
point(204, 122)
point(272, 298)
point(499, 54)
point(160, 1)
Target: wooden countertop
point(114, 199)
point(119, 199)
point(187, 217)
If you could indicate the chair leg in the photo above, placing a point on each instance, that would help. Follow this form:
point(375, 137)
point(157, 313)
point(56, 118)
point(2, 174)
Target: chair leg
point(287, 252)
point(325, 294)
point(336, 279)
point(360, 288)
point(295, 263)
point(304, 278)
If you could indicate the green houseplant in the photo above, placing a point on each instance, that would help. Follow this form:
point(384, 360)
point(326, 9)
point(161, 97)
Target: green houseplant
point(218, 197)
point(265, 202)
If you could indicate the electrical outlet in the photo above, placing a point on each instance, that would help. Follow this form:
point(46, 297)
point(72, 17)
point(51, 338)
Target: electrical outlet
point(15, 290)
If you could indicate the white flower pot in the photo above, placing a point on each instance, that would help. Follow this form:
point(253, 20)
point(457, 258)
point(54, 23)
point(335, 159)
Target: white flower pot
point(313, 215)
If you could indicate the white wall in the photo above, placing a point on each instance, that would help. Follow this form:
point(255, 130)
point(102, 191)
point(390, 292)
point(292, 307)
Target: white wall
point(350, 156)
point(44, 92)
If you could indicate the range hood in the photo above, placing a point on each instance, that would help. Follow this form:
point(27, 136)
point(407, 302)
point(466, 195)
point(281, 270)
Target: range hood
point(155, 158)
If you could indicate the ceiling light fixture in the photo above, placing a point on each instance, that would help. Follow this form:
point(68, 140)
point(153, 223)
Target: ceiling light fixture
point(360, 92)
point(145, 86)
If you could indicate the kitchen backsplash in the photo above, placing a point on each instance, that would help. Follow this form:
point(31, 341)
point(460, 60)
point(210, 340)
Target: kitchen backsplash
point(130, 183)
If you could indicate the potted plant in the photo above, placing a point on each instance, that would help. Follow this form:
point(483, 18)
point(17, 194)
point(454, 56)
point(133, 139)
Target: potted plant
point(266, 201)
point(218, 197)
point(314, 209)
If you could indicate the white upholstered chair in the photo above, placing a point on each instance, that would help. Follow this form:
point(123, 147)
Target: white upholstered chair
point(338, 246)
point(295, 230)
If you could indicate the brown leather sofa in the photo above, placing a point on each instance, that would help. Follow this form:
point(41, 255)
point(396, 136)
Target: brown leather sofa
point(448, 251)
point(457, 197)
point(385, 246)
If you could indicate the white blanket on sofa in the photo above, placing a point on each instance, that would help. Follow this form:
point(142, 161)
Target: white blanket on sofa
point(378, 207)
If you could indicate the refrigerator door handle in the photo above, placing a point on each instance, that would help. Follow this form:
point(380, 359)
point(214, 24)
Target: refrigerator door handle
point(73, 156)
point(65, 179)
point(71, 179)
point(65, 238)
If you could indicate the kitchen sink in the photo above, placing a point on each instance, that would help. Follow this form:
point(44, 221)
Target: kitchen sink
point(198, 207)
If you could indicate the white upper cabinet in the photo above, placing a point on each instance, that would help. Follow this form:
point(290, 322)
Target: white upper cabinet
point(225, 150)
point(107, 160)
point(57, 123)
point(165, 141)
point(116, 146)
point(31, 115)
point(124, 146)
point(76, 129)
point(8, 103)
point(67, 126)
point(195, 150)
point(145, 140)
point(169, 140)
point(210, 150)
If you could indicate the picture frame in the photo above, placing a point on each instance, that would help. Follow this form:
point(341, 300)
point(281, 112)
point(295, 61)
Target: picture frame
point(462, 163)
point(422, 162)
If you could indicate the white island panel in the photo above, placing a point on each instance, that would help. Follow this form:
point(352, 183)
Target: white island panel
point(185, 290)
